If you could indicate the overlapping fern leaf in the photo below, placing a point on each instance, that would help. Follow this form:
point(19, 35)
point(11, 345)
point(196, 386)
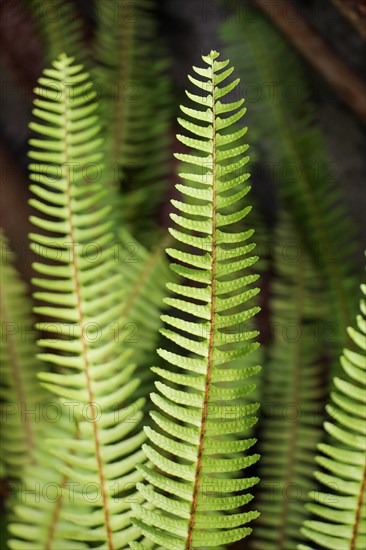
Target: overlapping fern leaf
point(285, 127)
point(145, 275)
point(83, 298)
point(29, 418)
point(293, 396)
point(136, 108)
point(45, 498)
point(197, 483)
point(60, 28)
point(340, 507)
point(22, 397)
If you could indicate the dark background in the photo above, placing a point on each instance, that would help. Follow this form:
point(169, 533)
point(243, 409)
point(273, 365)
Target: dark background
point(191, 29)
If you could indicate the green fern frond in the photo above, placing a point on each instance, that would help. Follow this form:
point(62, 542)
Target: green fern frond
point(136, 108)
point(285, 127)
point(59, 27)
point(83, 299)
point(293, 390)
point(194, 488)
point(341, 507)
point(21, 395)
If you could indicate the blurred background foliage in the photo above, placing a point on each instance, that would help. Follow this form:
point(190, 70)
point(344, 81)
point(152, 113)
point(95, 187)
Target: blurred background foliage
point(306, 127)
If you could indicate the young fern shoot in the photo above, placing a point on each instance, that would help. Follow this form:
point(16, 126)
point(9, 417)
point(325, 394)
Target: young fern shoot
point(83, 296)
point(194, 484)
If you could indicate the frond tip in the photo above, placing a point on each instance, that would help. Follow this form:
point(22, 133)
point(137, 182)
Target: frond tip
point(342, 509)
point(194, 488)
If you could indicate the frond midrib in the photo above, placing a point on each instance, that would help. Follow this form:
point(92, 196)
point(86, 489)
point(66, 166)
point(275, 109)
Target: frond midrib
point(360, 502)
point(55, 516)
point(117, 117)
point(57, 37)
point(144, 276)
point(119, 121)
point(294, 431)
point(80, 313)
point(212, 323)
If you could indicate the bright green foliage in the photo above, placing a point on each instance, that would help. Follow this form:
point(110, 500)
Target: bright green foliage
point(21, 395)
point(284, 126)
point(83, 296)
point(293, 390)
point(341, 506)
point(59, 27)
point(136, 107)
point(195, 488)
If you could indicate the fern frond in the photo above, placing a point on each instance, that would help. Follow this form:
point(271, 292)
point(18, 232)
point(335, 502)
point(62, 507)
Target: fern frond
point(136, 107)
point(83, 298)
point(21, 395)
point(60, 28)
point(296, 151)
point(293, 390)
point(341, 507)
point(194, 488)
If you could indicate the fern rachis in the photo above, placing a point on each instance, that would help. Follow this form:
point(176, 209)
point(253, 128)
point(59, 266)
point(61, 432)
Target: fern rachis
point(203, 468)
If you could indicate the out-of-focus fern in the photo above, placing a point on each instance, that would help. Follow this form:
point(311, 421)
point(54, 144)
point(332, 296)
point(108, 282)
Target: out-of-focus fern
point(295, 149)
point(136, 108)
point(198, 444)
point(59, 27)
point(145, 275)
point(21, 395)
point(45, 500)
point(341, 509)
point(293, 389)
point(84, 298)
point(29, 418)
